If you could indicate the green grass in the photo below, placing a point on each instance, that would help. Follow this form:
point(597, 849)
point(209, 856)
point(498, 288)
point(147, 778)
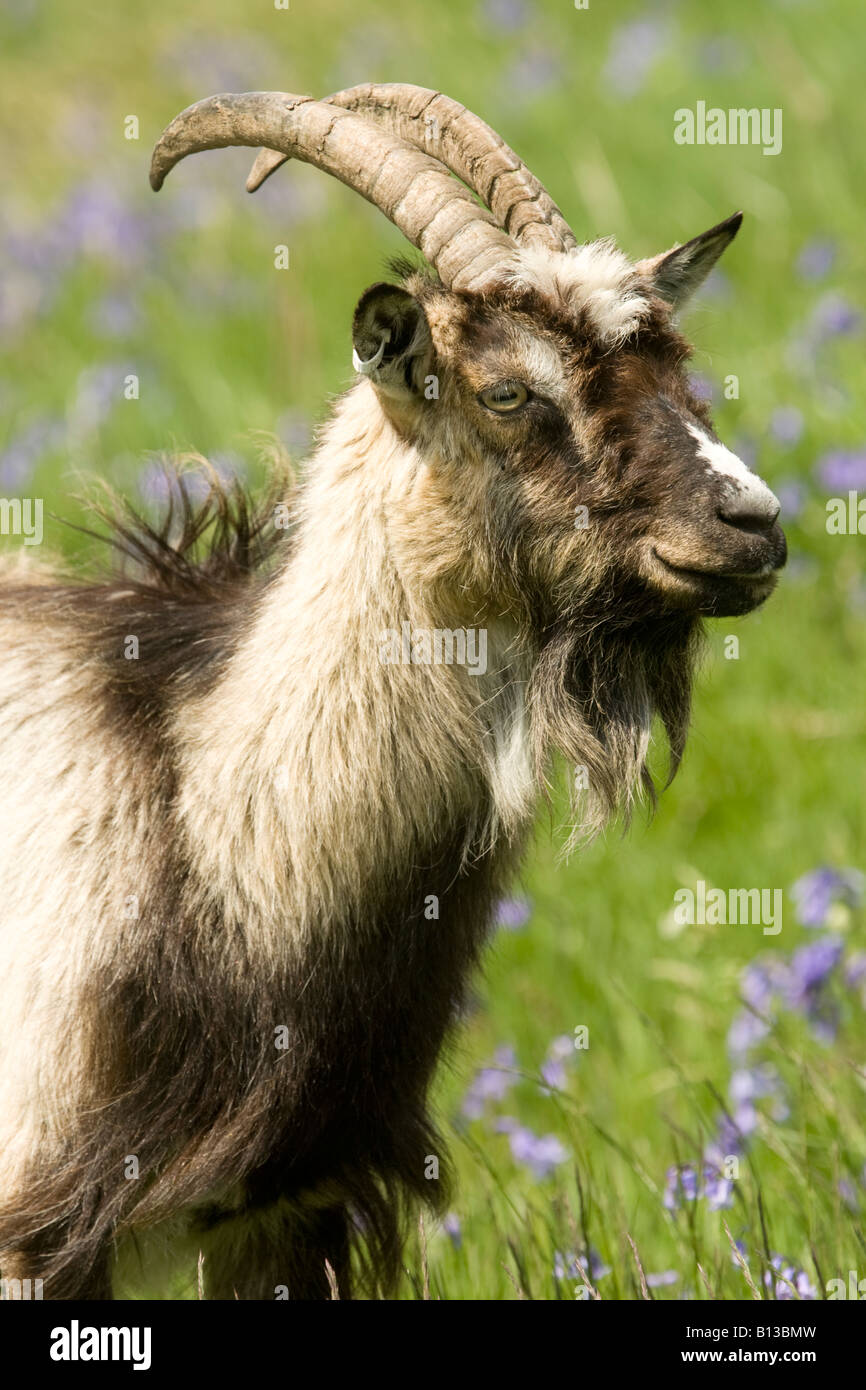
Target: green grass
point(225, 345)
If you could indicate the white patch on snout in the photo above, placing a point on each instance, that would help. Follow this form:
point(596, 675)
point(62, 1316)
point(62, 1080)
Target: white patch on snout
point(747, 495)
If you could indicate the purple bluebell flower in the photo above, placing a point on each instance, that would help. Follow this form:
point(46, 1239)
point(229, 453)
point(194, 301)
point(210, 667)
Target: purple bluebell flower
point(98, 222)
point(504, 16)
point(85, 126)
point(219, 63)
point(687, 1183)
point(540, 1153)
point(761, 984)
point(746, 448)
point(635, 48)
point(756, 987)
point(816, 892)
point(848, 1192)
point(358, 1219)
point(295, 430)
point(512, 913)
point(842, 469)
point(575, 1266)
point(201, 206)
point(664, 1279)
point(451, 1227)
point(114, 316)
point(597, 1267)
point(811, 967)
point(834, 317)
point(21, 455)
point(16, 466)
point(154, 483)
point(364, 47)
point(824, 1021)
point(229, 466)
point(42, 250)
point(746, 1117)
point(780, 1111)
point(701, 386)
point(728, 1142)
point(746, 1031)
point(491, 1083)
point(717, 1190)
point(554, 1074)
point(810, 971)
point(717, 286)
point(681, 1185)
point(786, 425)
point(98, 391)
point(553, 1068)
point(754, 1083)
point(802, 569)
point(816, 258)
point(21, 12)
point(789, 1275)
point(289, 202)
point(534, 72)
point(792, 497)
point(750, 1084)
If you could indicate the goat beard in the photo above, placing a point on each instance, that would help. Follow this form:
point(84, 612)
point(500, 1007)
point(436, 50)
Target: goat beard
point(596, 688)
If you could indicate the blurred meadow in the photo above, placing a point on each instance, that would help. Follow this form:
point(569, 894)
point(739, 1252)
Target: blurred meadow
point(708, 1141)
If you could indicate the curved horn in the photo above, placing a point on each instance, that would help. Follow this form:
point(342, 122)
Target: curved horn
point(414, 190)
point(466, 145)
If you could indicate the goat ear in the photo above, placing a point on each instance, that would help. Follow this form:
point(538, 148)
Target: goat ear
point(391, 341)
point(676, 274)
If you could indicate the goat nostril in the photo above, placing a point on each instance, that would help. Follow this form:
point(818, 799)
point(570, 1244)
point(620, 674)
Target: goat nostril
point(758, 521)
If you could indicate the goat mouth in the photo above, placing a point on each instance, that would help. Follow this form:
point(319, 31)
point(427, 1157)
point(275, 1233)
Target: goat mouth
point(715, 592)
point(758, 576)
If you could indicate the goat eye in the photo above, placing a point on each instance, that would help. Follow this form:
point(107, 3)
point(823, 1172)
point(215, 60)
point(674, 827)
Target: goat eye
point(505, 396)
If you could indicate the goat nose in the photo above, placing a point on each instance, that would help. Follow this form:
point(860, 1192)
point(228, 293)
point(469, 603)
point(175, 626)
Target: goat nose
point(746, 501)
point(750, 505)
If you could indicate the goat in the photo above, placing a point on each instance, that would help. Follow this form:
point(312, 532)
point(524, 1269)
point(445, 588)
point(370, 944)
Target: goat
point(247, 877)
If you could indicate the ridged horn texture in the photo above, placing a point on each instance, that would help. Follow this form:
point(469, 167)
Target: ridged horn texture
point(472, 150)
point(412, 188)
point(466, 145)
